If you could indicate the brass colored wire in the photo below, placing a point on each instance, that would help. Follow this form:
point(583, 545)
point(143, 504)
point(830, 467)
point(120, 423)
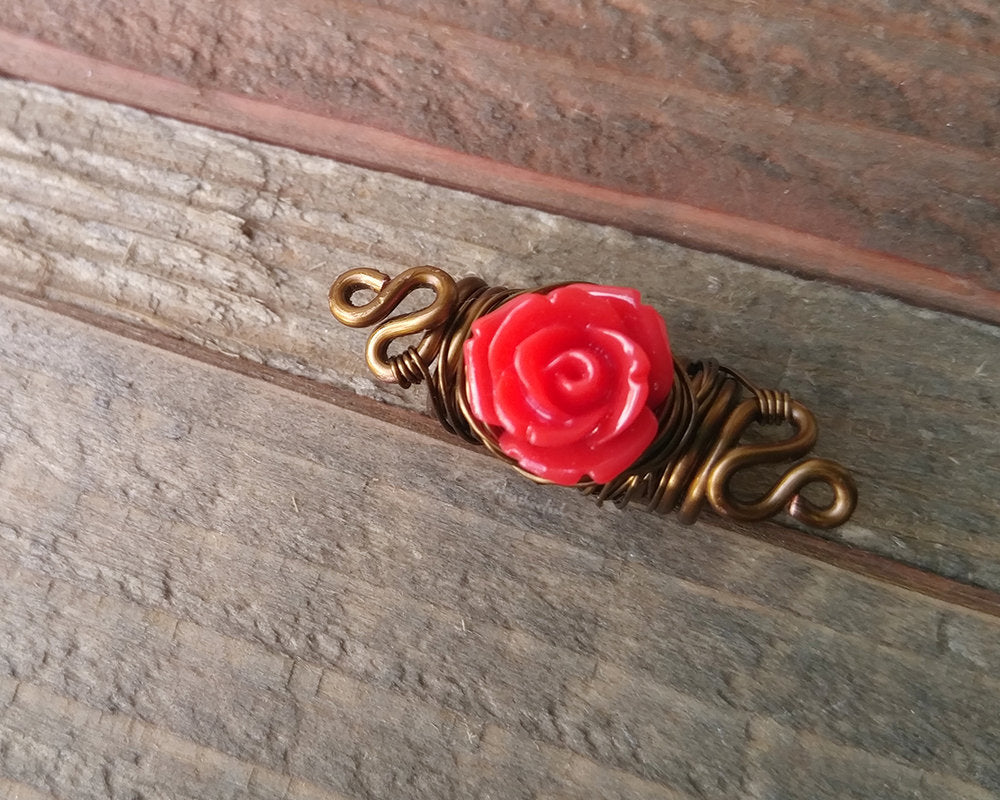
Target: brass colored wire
point(696, 452)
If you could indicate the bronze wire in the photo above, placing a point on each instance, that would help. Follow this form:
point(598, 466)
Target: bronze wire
point(696, 451)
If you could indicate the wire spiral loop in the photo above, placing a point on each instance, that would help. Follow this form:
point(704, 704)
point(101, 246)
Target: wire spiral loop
point(697, 451)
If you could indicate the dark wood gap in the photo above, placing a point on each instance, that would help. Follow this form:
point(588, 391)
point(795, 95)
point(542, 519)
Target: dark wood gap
point(761, 243)
point(852, 559)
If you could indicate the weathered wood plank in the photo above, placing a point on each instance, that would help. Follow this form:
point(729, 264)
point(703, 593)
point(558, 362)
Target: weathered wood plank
point(863, 126)
point(766, 244)
point(207, 575)
point(771, 54)
point(69, 746)
point(18, 791)
point(232, 245)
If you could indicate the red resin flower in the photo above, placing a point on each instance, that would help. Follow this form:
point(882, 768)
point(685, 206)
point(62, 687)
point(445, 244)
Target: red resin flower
point(571, 379)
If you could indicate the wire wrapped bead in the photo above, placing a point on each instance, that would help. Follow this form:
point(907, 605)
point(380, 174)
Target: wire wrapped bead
point(689, 446)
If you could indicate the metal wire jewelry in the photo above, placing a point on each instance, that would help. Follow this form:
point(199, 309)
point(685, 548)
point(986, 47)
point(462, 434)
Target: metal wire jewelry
point(697, 449)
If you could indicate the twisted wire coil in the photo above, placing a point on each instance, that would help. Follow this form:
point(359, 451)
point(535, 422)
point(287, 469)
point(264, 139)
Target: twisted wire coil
point(696, 451)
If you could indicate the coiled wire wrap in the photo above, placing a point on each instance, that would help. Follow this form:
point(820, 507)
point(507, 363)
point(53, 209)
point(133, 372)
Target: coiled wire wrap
point(696, 451)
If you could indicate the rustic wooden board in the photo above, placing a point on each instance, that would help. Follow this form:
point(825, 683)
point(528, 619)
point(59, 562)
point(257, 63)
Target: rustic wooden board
point(213, 587)
point(867, 125)
point(231, 245)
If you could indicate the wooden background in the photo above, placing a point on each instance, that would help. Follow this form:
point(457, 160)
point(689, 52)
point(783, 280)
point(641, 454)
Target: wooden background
point(855, 139)
point(233, 565)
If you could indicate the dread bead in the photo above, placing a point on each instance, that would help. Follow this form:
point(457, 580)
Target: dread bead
point(575, 384)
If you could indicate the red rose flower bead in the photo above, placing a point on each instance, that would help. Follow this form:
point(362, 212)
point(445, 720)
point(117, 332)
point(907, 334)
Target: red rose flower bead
point(571, 379)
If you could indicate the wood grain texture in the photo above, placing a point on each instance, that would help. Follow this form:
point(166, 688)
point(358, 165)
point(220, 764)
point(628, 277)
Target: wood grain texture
point(869, 125)
point(762, 243)
point(232, 245)
point(214, 587)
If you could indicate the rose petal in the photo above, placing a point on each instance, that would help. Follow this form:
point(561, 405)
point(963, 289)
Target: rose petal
point(573, 429)
point(569, 465)
point(521, 417)
point(629, 390)
point(537, 359)
point(476, 352)
point(616, 455)
point(649, 330)
point(578, 378)
point(526, 314)
point(579, 305)
point(560, 465)
point(646, 327)
point(514, 408)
